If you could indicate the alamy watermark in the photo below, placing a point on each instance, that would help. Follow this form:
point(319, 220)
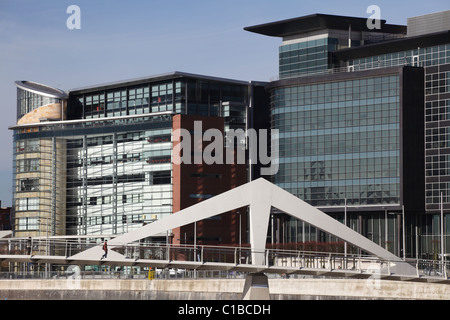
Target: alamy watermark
point(74, 20)
point(374, 21)
point(374, 281)
point(239, 146)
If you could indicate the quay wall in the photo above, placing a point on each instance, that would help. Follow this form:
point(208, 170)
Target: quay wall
point(217, 289)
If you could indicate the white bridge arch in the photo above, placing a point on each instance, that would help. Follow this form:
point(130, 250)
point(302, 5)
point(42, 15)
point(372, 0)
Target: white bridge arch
point(260, 195)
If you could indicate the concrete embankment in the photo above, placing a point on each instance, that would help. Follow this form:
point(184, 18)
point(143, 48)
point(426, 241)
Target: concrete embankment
point(217, 289)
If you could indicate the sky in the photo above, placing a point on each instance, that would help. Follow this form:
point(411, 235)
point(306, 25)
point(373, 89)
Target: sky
point(119, 40)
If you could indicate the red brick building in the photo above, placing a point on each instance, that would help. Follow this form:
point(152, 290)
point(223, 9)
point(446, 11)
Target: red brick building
point(5, 218)
point(193, 183)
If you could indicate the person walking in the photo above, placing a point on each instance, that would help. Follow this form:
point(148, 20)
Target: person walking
point(105, 249)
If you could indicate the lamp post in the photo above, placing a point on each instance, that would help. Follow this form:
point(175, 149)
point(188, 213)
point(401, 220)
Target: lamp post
point(442, 230)
point(345, 223)
point(398, 237)
point(404, 232)
point(385, 228)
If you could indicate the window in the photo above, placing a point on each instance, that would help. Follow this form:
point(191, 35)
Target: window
point(31, 184)
point(27, 146)
point(28, 165)
point(131, 198)
point(28, 204)
point(30, 223)
point(93, 201)
point(206, 175)
point(160, 177)
point(106, 199)
point(200, 196)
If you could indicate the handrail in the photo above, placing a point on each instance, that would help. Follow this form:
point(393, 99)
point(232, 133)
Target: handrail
point(274, 259)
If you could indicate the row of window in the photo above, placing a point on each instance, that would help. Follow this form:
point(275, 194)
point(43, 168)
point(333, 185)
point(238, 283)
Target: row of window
point(342, 187)
point(437, 138)
point(373, 89)
point(167, 96)
point(434, 190)
point(332, 196)
point(125, 198)
point(438, 165)
point(27, 165)
point(28, 101)
point(121, 199)
point(109, 219)
point(437, 110)
point(357, 137)
point(362, 120)
point(307, 44)
point(23, 146)
point(362, 82)
point(297, 73)
point(429, 56)
point(335, 148)
point(437, 83)
point(156, 178)
point(27, 224)
point(151, 157)
point(154, 136)
point(305, 57)
point(344, 176)
point(328, 172)
point(27, 204)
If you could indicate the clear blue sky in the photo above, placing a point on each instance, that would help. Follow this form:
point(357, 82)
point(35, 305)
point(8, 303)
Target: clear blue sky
point(127, 39)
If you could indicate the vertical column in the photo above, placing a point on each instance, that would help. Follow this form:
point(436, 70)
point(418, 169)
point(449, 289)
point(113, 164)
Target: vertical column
point(53, 192)
point(260, 207)
point(84, 183)
point(114, 184)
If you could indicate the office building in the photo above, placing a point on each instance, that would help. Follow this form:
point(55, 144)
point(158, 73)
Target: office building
point(362, 114)
point(363, 117)
point(98, 160)
point(5, 218)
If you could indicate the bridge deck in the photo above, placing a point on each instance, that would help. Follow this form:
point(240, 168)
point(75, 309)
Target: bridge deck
point(361, 273)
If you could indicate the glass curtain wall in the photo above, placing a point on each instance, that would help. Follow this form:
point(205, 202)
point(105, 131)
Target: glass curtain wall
point(109, 170)
point(116, 182)
point(99, 177)
point(435, 61)
point(340, 144)
point(339, 141)
point(38, 185)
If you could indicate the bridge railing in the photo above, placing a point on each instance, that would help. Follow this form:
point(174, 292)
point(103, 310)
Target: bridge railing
point(194, 253)
point(119, 273)
point(45, 246)
point(323, 260)
point(273, 258)
point(156, 251)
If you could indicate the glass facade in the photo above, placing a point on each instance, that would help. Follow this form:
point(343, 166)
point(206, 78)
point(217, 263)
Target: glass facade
point(424, 57)
point(327, 153)
point(436, 63)
point(99, 177)
point(108, 170)
point(306, 57)
point(309, 55)
point(116, 182)
point(28, 101)
point(181, 96)
point(437, 112)
point(340, 140)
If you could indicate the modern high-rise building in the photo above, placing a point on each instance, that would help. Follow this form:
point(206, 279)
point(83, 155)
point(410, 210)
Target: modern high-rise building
point(363, 114)
point(363, 120)
point(98, 160)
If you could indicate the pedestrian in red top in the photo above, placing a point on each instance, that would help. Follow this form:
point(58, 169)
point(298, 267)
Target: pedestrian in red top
point(105, 248)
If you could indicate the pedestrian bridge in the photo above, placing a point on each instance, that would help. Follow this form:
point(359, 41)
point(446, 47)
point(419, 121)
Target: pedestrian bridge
point(260, 196)
point(64, 252)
